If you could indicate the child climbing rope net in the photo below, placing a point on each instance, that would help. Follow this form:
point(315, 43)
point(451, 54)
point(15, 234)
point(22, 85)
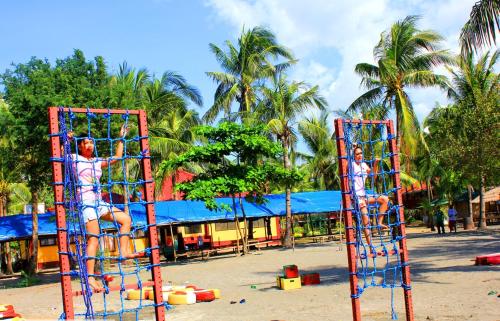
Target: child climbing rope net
point(372, 201)
point(89, 248)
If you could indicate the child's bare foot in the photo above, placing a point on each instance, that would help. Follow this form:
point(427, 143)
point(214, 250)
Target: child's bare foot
point(129, 256)
point(94, 285)
point(383, 227)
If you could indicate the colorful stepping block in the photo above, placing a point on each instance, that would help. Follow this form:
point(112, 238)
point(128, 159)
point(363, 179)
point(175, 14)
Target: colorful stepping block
point(490, 259)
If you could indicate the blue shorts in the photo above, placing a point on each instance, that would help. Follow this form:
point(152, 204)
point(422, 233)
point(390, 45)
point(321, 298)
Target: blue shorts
point(92, 210)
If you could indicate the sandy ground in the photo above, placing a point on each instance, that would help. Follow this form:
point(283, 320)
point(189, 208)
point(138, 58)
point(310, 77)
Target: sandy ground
point(445, 284)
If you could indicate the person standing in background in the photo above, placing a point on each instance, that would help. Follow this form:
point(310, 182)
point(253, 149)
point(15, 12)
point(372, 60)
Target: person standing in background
point(439, 215)
point(452, 218)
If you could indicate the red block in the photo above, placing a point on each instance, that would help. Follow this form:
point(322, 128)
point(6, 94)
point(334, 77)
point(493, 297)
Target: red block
point(11, 317)
point(204, 295)
point(490, 259)
point(291, 271)
point(7, 311)
point(310, 279)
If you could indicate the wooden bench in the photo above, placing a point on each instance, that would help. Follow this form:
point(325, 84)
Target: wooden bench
point(260, 244)
point(492, 218)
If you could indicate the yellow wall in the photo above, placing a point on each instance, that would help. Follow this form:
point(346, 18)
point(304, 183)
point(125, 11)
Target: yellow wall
point(50, 253)
point(183, 229)
point(140, 244)
point(47, 254)
point(230, 235)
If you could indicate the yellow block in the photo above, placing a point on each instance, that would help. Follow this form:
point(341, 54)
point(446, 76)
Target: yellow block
point(138, 294)
point(289, 284)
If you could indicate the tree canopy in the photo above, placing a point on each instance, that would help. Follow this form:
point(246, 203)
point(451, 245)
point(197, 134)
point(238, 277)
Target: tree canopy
point(235, 160)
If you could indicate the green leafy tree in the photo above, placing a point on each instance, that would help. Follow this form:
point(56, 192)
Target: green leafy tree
point(234, 157)
point(29, 89)
point(482, 26)
point(7, 177)
point(245, 66)
point(465, 134)
point(404, 58)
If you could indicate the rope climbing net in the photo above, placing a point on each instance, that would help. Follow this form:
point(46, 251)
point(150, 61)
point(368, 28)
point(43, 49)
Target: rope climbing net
point(100, 173)
point(372, 202)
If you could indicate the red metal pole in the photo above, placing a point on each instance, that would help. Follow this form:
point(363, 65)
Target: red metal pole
point(101, 111)
point(151, 218)
point(346, 203)
point(402, 228)
point(57, 178)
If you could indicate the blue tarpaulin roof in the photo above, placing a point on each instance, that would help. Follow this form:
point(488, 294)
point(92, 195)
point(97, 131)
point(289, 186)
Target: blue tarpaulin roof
point(167, 212)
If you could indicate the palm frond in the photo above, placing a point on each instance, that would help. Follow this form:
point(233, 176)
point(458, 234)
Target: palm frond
point(369, 99)
point(482, 26)
point(367, 70)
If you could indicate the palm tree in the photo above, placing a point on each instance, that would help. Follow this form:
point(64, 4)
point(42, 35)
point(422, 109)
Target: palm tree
point(482, 26)
point(245, 65)
point(320, 141)
point(165, 101)
point(127, 87)
point(170, 137)
point(473, 79)
point(170, 120)
point(405, 56)
point(279, 108)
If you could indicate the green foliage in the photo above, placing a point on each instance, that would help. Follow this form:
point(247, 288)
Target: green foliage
point(18, 197)
point(245, 65)
point(322, 164)
point(165, 100)
point(465, 135)
point(482, 26)
point(298, 231)
point(405, 57)
point(32, 87)
point(27, 280)
point(247, 172)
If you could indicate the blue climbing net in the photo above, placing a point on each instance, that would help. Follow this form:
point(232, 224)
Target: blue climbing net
point(377, 244)
point(117, 190)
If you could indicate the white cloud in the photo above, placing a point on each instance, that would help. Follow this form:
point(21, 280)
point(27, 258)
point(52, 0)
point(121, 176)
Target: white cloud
point(331, 36)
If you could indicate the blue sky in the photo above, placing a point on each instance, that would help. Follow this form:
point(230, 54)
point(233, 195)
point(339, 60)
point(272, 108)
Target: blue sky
point(327, 36)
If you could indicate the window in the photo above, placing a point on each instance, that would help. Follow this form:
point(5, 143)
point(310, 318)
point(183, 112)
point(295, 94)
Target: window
point(192, 229)
point(224, 226)
point(48, 242)
point(139, 233)
point(259, 223)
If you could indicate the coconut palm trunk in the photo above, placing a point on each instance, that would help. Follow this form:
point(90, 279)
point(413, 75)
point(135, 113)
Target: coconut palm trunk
point(482, 205)
point(9, 270)
point(8, 256)
point(33, 268)
point(239, 234)
point(429, 198)
point(470, 224)
point(288, 206)
point(245, 227)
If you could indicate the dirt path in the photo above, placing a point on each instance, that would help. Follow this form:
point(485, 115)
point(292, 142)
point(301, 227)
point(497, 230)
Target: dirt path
point(446, 285)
